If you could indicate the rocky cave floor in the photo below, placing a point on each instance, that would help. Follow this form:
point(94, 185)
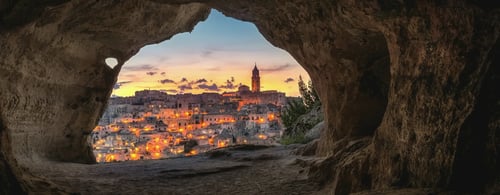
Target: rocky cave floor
point(236, 170)
point(245, 169)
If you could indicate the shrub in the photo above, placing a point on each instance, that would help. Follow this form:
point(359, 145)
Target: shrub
point(294, 139)
point(309, 95)
point(292, 112)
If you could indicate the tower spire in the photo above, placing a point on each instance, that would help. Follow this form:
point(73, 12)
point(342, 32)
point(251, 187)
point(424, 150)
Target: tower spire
point(255, 79)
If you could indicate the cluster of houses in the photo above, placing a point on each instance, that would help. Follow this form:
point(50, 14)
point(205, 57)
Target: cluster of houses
point(154, 125)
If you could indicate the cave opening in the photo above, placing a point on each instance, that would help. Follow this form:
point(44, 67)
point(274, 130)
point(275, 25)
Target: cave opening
point(220, 85)
point(111, 62)
point(79, 103)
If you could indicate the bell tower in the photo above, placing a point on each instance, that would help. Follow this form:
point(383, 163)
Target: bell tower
point(255, 79)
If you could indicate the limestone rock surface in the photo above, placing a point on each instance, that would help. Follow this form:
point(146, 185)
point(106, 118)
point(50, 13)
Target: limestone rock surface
point(409, 88)
point(305, 123)
point(54, 80)
point(315, 132)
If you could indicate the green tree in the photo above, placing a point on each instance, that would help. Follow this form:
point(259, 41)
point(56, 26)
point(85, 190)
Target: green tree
point(292, 112)
point(294, 132)
point(309, 95)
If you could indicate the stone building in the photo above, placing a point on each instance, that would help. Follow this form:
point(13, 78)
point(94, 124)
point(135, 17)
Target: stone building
point(255, 79)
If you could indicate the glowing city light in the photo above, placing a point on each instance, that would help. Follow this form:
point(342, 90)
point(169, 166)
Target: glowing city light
point(163, 131)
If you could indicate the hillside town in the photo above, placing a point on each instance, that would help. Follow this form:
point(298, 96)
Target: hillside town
point(154, 125)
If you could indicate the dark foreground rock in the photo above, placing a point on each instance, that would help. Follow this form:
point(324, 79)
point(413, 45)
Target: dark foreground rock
point(240, 171)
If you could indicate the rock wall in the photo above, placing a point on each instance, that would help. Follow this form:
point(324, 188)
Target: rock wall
point(413, 74)
point(440, 58)
point(9, 184)
point(53, 78)
point(408, 87)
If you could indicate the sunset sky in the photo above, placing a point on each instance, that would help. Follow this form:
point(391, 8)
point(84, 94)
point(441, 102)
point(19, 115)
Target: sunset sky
point(217, 56)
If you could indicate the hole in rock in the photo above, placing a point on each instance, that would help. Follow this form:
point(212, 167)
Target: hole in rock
point(221, 85)
point(111, 62)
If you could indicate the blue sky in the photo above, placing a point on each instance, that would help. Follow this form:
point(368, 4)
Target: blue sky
point(220, 51)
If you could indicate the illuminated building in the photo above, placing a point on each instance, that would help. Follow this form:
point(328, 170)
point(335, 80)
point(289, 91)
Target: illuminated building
point(154, 125)
point(255, 79)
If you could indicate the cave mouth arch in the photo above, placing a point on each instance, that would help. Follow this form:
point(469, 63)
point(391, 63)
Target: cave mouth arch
point(186, 74)
point(342, 72)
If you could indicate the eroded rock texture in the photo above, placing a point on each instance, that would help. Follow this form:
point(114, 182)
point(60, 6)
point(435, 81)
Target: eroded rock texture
point(54, 82)
point(426, 106)
point(409, 88)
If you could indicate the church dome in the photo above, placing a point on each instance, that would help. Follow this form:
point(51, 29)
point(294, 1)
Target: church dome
point(243, 88)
